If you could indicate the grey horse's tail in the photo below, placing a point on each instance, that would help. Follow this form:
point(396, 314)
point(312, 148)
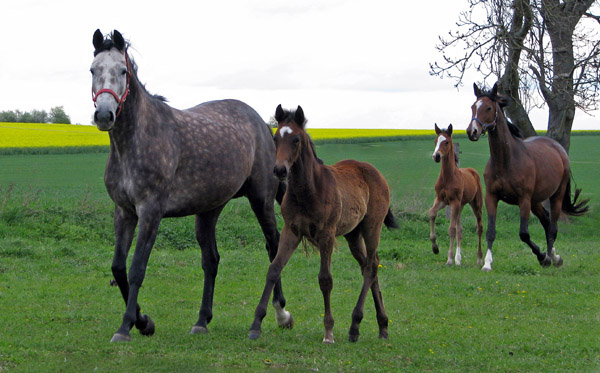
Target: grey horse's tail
point(390, 220)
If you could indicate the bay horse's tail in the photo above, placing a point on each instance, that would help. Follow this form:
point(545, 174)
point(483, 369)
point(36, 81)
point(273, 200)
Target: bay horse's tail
point(574, 208)
point(390, 220)
point(281, 188)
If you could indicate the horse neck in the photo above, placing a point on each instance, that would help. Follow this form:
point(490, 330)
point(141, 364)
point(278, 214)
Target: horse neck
point(128, 123)
point(304, 174)
point(449, 167)
point(502, 143)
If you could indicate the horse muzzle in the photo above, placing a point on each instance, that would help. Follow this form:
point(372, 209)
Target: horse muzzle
point(281, 172)
point(473, 133)
point(436, 157)
point(104, 118)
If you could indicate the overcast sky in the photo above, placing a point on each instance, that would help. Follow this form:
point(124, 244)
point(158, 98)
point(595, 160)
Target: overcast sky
point(349, 64)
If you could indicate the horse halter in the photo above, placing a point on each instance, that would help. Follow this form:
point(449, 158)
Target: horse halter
point(486, 127)
point(120, 100)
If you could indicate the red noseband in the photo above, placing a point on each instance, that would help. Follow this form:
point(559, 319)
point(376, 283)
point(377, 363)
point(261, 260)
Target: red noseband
point(120, 100)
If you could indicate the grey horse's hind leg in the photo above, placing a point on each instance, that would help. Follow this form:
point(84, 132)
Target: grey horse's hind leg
point(205, 234)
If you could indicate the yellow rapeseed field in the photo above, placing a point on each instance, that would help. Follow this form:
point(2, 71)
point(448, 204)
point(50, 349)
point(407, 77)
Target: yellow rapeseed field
point(42, 135)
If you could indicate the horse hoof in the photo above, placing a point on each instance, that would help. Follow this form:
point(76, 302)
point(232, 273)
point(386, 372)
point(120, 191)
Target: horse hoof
point(558, 262)
point(435, 250)
point(383, 335)
point(149, 329)
point(254, 334)
point(329, 341)
point(120, 338)
point(198, 330)
point(351, 338)
point(546, 262)
point(289, 324)
point(486, 269)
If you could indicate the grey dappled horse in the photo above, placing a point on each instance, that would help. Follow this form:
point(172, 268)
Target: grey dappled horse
point(165, 162)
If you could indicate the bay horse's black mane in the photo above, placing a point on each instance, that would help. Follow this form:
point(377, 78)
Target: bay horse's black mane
point(289, 116)
point(108, 44)
point(504, 102)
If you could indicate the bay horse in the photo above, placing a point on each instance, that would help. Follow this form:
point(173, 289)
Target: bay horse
point(455, 187)
point(321, 202)
point(165, 162)
point(524, 173)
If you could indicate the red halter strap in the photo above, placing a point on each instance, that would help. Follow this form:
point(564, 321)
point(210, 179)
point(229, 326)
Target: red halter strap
point(120, 100)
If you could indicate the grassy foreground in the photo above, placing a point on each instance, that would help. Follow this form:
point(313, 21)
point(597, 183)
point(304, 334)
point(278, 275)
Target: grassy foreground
point(59, 311)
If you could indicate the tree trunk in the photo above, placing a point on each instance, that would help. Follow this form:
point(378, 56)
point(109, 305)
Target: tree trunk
point(561, 19)
point(509, 82)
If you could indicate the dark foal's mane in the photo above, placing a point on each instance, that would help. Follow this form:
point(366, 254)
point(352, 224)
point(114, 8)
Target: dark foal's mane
point(288, 116)
point(504, 101)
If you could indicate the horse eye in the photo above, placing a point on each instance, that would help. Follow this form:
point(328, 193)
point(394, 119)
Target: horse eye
point(92, 71)
point(489, 108)
point(124, 71)
point(295, 140)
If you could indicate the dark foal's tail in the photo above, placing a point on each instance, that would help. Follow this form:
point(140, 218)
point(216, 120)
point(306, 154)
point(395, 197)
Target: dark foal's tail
point(281, 188)
point(390, 220)
point(574, 208)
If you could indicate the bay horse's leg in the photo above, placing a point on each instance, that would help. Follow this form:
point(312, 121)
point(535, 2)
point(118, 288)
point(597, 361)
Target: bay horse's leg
point(265, 213)
point(491, 205)
point(149, 221)
point(455, 210)
point(358, 250)
point(206, 236)
point(459, 234)
point(555, 210)
point(287, 244)
point(476, 206)
point(371, 237)
point(326, 243)
point(437, 206)
point(524, 210)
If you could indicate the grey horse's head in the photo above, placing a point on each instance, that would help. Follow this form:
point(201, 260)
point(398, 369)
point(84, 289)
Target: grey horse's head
point(110, 78)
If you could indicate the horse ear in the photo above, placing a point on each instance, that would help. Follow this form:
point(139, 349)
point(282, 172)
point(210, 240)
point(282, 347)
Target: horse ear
point(299, 117)
point(477, 91)
point(494, 92)
point(449, 130)
point(437, 129)
point(279, 114)
point(98, 39)
point(118, 40)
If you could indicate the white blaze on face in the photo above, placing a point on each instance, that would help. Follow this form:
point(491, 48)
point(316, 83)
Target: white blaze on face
point(440, 139)
point(285, 130)
point(478, 105)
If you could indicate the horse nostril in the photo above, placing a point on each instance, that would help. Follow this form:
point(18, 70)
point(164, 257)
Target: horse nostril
point(280, 172)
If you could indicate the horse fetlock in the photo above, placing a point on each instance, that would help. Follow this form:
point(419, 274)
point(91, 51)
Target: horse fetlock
point(146, 327)
point(284, 318)
point(546, 261)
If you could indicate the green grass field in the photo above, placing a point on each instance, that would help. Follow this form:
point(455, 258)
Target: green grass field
point(59, 311)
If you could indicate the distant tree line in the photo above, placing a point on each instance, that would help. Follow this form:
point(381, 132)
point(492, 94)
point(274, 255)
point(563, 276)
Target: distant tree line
point(56, 115)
